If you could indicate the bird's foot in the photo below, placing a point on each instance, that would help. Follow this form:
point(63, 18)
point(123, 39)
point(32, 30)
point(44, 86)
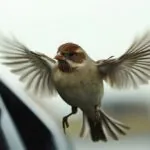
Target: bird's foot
point(65, 123)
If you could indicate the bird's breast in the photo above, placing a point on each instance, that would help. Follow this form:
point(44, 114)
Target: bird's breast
point(79, 87)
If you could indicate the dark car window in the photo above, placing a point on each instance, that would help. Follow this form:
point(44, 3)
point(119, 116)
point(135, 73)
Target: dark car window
point(3, 142)
point(33, 132)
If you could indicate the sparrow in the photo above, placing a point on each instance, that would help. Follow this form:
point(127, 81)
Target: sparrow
point(78, 79)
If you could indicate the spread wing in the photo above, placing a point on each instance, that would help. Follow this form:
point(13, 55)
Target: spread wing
point(132, 68)
point(34, 68)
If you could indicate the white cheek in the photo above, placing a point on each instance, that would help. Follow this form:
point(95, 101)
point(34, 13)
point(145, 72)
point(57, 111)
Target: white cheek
point(73, 64)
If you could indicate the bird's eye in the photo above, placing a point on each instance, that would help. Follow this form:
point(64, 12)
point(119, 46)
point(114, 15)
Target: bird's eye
point(71, 54)
point(68, 54)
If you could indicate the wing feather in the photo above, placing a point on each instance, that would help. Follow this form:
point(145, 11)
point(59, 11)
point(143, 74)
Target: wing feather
point(131, 69)
point(34, 68)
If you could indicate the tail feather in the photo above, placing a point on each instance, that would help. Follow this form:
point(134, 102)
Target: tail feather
point(113, 121)
point(112, 126)
point(84, 128)
point(109, 129)
point(96, 130)
point(117, 127)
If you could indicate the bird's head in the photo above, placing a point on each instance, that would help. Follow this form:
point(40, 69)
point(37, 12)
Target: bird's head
point(70, 56)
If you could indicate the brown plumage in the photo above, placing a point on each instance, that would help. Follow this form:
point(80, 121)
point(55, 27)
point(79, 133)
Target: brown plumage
point(72, 47)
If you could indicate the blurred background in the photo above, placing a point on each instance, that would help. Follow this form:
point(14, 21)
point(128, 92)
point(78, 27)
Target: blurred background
point(103, 28)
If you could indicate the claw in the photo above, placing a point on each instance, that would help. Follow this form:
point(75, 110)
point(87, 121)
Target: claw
point(65, 124)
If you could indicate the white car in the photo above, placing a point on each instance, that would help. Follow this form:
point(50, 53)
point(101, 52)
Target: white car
point(23, 125)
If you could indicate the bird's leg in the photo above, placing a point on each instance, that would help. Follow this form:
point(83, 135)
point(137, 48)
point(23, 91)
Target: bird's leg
point(65, 123)
point(97, 112)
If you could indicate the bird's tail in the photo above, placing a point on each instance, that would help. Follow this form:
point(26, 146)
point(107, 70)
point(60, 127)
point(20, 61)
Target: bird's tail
point(103, 125)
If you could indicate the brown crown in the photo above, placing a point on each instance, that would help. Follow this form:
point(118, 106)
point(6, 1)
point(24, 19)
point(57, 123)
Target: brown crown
point(68, 47)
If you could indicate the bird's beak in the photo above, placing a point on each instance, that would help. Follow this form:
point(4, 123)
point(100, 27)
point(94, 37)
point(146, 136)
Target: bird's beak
point(59, 57)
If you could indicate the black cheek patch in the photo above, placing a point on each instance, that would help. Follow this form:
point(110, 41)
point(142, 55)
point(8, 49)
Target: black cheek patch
point(64, 66)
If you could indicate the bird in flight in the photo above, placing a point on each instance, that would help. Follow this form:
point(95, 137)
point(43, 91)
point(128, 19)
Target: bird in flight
point(78, 79)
